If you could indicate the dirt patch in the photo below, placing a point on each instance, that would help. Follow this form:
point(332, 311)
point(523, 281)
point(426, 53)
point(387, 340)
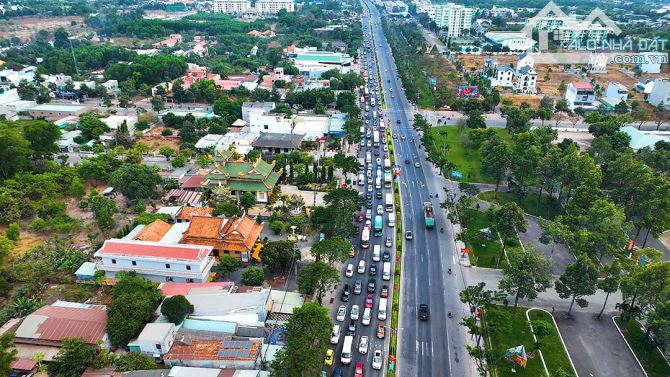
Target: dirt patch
point(555, 76)
point(518, 99)
point(25, 28)
point(27, 242)
point(477, 61)
point(155, 140)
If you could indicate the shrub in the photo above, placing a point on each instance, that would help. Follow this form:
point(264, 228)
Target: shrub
point(13, 232)
point(277, 226)
point(254, 276)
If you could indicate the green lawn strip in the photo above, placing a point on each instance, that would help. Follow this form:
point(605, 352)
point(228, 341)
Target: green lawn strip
point(485, 253)
point(553, 351)
point(393, 343)
point(650, 357)
point(547, 207)
point(467, 161)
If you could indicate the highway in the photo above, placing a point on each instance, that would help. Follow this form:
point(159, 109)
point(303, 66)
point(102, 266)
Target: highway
point(435, 347)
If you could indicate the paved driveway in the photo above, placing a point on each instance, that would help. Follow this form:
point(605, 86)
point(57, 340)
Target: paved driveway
point(596, 347)
point(558, 253)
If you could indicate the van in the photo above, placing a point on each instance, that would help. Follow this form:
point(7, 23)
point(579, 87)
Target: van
point(386, 271)
point(366, 317)
point(335, 335)
point(345, 357)
point(361, 267)
point(381, 310)
point(361, 179)
point(391, 220)
point(377, 253)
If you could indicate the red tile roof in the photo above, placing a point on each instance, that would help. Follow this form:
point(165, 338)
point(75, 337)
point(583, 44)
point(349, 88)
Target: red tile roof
point(56, 323)
point(153, 232)
point(24, 364)
point(174, 289)
point(187, 213)
point(193, 182)
point(232, 234)
point(133, 248)
point(583, 86)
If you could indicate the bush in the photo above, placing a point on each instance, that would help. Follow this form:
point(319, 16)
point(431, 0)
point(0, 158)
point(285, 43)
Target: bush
point(13, 232)
point(277, 226)
point(254, 277)
point(166, 132)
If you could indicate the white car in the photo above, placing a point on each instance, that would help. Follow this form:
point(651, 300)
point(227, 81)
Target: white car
point(335, 335)
point(386, 148)
point(341, 313)
point(361, 267)
point(377, 360)
point(380, 209)
point(366, 317)
point(355, 312)
point(350, 270)
point(378, 160)
point(363, 345)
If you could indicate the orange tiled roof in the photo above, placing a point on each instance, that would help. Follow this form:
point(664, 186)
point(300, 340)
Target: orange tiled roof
point(209, 350)
point(153, 232)
point(233, 234)
point(187, 213)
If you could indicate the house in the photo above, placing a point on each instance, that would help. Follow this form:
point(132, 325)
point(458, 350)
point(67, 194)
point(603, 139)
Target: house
point(187, 213)
point(156, 261)
point(524, 60)
point(645, 85)
point(226, 236)
point(14, 77)
point(184, 197)
point(45, 329)
point(282, 305)
point(639, 140)
point(66, 141)
point(526, 79)
point(23, 367)
point(597, 63)
point(247, 107)
point(155, 340)
point(651, 61)
point(170, 289)
point(271, 143)
point(313, 127)
point(11, 104)
point(580, 94)
point(57, 110)
point(208, 141)
point(261, 34)
point(514, 41)
point(503, 76)
point(337, 122)
point(114, 121)
point(169, 42)
point(261, 121)
point(178, 371)
point(195, 182)
point(660, 93)
point(617, 92)
point(194, 350)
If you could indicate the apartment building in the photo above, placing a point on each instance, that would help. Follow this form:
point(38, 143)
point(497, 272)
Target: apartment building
point(660, 93)
point(455, 18)
point(232, 6)
point(269, 7)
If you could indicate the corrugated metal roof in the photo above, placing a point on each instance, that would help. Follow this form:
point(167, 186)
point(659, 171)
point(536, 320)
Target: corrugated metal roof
point(57, 322)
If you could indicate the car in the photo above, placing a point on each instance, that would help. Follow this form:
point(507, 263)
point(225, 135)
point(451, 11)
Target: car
point(392, 96)
point(351, 329)
point(368, 223)
point(397, 121)
point(376, 152)
point(417, 164)
point(369, 301)
point(355, 312)
point(369, 203)
point(369, 196)
point(381, 331)
point(359, 216)
point(335, 335)
point(358, 372)
point(341, 313)
point(337, 372)
point(367, 315)
point(386, 149)
point(372, 285)
point(330, 355)
point(409, 235)
point(386, 256)
point(349, 271)
point(388, 242)
point(377, 360)
point(368, 144)
point(379, 195)
point(358, 286)
point(384, 292)
point(373, 270)
point(378, 160)
point(352, 251)
point(395, 136)
point(370, 190)
point(424, 312)
point(380, 209)
point(363, 345)
point(403, 137)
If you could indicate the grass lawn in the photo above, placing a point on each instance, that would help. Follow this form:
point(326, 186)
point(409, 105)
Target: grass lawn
point(652, 360)
point(548, 208)
point(467, 161)
point(485, 253)
point(507, 327)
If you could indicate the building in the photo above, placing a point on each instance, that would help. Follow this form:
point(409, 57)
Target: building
point(213, 353)
point(156, 261)
point(247, 107)
point(651, 61)
point(645, 85)
point(456, 18)
point(66, 141)
point(660, 93)
point(312, 127)
point(45, 329)
point(114, 121)
point(272, 143)
point(260, 121)
point(208, 141)
point(597, 63)
point(337, 122)
point(57, 110)
point(240, 176)
point(232, 6)
point(514, 41)
point(171, 41)
point(617, 91)
point(225, 236)
point(11, 104)
point(580, 94)
point(312, 63)
point(567, 30)
point(272, 7)
point(526, 80)
point(155, 340)
point(14, 77)
point(178, 371)
point(503, 76)
point(396, 8)
point(639, 140)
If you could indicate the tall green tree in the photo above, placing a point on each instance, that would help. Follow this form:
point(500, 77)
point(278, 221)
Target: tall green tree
point(658, 325)
point(495, 160)
point(228, 264)
point(509, 219)
point(103, 210)
point(317, 278)
point(74, 356)
point(278, 256)
point(610, 282)
point(247, 200)
point(14, 150)
point(42, 136)
point(579, 279)
point(176, 308)
point(527, 274)
point(8, 353)
point(331, 250)
point(136, 181)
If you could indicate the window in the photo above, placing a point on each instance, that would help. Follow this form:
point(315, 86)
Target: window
point(266, 127)
point(158, 346)
point(168, 278)
point(134, 263)
point(188, 268)
point(167, 265)
point(189, 280)
point(113, 261)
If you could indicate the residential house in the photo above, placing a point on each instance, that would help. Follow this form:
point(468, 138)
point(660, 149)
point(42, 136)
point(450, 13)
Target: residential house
point(169, 42)
point(660, 93)
point(155, 340)
point(57, 110)
point(597, 63)
point(66, 141)
point(226, 236)
point(337, 122)
point(169, 289)
point(201, 349)
point(261, 121)
point(247, 107)
point(617, 92)
point(580, 94)
point(639, 140)
point(208, 141)
point(45, 329)
point(645, 85)
point(502, 76)
point(14, 77)
point(262, 34)
point(11, 104)
point(272, 143)
point(651, 61)
point(156, 261)
point(313, 127)
point(526, 80)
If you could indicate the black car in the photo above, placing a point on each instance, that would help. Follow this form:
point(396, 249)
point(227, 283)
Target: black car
point(373, 270)
point(386, 256)
point(379, 194)
point(372, 285)
point(351, 330)
point(398, 121)
point(368, 196)
point(424, 312)
point(369, 205)
point(345, 293)
point(407, 161)
point(358, 287)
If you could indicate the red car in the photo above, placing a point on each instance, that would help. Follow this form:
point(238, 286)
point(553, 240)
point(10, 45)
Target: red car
point(369, 301)
point(376, 153)
point(381, 331)
point(359, 216)
point(358, 372)
point(385, 292)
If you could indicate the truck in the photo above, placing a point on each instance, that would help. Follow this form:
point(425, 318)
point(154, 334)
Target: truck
point(429, 215)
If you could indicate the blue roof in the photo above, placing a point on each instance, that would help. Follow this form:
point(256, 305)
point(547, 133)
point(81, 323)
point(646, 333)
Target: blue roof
point(337, 123)
point(216, 326)
point(86, 270)
point(638, 140)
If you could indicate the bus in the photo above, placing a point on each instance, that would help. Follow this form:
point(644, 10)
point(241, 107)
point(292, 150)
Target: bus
point(387, 179)
point(368, 157)
point(389, 202)
point(379, 225)
point(365, 237)
point(375, 139)
point(345, 357)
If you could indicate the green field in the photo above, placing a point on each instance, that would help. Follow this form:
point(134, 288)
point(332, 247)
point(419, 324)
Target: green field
point(508, 327)
point(547, 207)
point(467, 161)
point(485, 253)
point(652, 360)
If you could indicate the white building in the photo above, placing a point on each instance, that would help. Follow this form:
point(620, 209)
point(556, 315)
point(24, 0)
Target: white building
point(580, 94)
point(156, 339)
point(231, 6)
point(312, 126)
point(312, 63)
point(270, 7)
point(456, 18)
point(651, 62)
point(514, 41)
point(617, 91)
point(114, 121)
point(260, 121)
point(247, 107)
point(14, 77)
point(156, 261)
point(66, 141)
point(11, 104)
point(503, 76)
point(645, 85)
point(526, 80)
point(597, 63)
point(660, 93)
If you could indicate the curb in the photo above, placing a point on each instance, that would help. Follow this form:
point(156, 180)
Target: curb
point(628, 345)
point(560, 336)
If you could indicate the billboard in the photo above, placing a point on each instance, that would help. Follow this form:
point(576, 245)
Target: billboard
point(468, 91)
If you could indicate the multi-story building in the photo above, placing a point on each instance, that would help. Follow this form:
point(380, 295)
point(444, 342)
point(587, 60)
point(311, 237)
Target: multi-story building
point(455, 18)
point(660, 93)
point(312, 63)
point(248, 106)
point(269, 7)
point(617, 91)
point(232, 6)
point(580, 94)
point(514, 41)
point(156, 261)
point(526, 79)
point(569, 29)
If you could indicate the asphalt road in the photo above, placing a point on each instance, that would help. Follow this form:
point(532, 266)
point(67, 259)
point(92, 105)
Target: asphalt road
point(436, 347)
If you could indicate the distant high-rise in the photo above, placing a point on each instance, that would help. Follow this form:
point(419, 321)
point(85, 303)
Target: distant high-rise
point(232, 6)
point(454, 17)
